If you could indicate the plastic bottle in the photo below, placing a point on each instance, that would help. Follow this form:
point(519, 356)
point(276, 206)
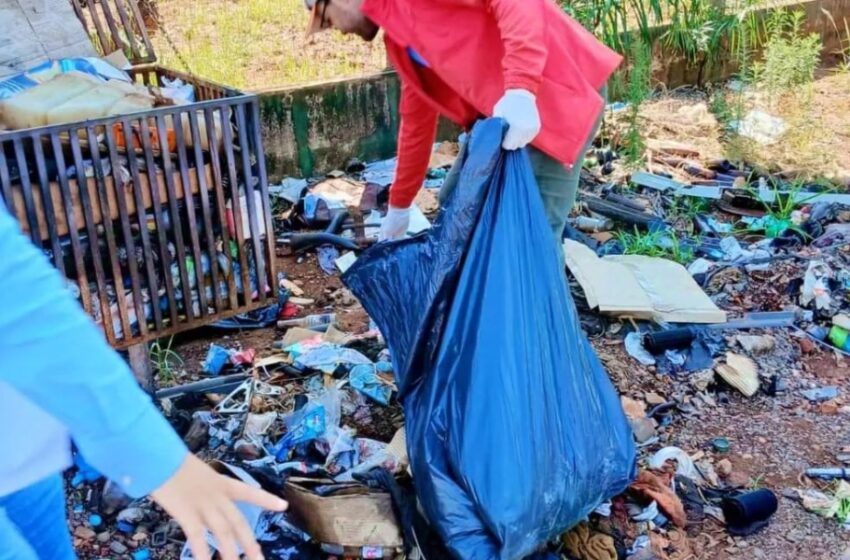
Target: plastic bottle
point(593, 225)
point(309, 322)
point(840, 338)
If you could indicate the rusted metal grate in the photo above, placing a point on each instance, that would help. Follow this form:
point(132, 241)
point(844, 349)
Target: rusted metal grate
point(160, 219)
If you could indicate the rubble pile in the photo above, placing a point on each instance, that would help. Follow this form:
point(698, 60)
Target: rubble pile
point(717, 297)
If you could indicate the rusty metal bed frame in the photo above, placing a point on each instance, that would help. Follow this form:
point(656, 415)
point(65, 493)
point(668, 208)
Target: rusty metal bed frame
point(146, 213)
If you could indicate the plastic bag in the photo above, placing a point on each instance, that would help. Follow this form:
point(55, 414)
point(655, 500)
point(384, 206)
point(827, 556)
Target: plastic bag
point(515, 431)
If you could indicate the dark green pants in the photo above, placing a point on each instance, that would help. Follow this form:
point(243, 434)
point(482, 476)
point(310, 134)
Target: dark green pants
point(558, 184)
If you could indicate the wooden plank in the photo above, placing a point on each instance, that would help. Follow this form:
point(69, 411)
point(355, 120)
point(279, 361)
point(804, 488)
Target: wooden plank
point(61, 223)
point(142, 367)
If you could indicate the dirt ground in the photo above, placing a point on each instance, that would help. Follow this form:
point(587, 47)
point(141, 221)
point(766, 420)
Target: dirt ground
point(257, 44)
point(773, 438)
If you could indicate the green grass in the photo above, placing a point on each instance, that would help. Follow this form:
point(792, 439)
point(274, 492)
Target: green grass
point(686, 208)
point(166, 361)
point(637, 91)
point(665, 245)
point(256, 44)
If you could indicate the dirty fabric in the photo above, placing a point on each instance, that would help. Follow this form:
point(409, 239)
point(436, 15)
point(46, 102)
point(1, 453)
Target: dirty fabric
point(584, 544)
point(515, 433)
point(657, 487)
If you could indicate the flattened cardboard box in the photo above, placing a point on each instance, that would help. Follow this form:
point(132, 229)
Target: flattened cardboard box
point(640, 287)
point(32, 31)
point(356, 519)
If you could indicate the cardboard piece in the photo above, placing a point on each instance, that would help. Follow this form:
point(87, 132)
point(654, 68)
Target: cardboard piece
point(346, 191)
point(640, 287)
point(354, 517)
point(740, 372)
point(33, 31)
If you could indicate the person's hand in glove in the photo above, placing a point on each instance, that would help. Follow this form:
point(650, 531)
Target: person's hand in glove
point(395, 224)
point(518, 108)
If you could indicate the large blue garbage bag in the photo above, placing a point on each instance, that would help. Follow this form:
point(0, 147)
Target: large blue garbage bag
point(514, 430)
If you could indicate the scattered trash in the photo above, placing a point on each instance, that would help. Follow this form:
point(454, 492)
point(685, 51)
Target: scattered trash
point(290, 189)
point(830, 473)
point(350, 516)
point(635, 348)
point(327, 357)
point(317, 413)
point(328, 255)
point(656, 486)
point(593, 225)
point(840, 337)
point(756, 344)
point(244, 357)
point(761, 127)
point(216, 359)
point(309, 322)
point(684, 463)
point(344, 262)
point(720, 445)
point(740, 372)
point(257, 319)
point(749, 512)
point(816, 285)
point(821, 394)
point(835, 506)
point(365, 378)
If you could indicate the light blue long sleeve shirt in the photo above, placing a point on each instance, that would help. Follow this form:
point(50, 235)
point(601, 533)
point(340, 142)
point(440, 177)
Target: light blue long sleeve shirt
point(59, 378)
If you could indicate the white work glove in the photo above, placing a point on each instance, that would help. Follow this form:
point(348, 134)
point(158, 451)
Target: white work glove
point(395, 224)
point(518, 108)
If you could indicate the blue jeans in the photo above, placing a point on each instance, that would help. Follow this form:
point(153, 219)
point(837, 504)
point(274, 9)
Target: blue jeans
point(33, 525)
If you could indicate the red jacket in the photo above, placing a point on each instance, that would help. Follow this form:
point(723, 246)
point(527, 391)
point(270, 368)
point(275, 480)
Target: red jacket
point(476, 49)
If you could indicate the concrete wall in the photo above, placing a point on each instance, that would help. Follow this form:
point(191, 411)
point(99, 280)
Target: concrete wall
point(318, 128)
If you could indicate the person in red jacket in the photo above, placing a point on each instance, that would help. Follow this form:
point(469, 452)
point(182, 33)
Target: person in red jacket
point(524, 61)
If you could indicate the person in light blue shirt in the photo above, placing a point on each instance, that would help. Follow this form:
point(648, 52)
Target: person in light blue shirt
point(59, 380)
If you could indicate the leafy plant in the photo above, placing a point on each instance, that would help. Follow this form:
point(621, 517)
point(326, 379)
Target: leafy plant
point(698, 31)
point(610, 20)
point(687, 207)
point(637, 91)
point(166, 361)
point(790, 56)
point(666, 245)
point(778, 217)
point(843, 52)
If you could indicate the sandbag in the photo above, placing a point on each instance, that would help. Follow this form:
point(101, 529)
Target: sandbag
point(514, 430)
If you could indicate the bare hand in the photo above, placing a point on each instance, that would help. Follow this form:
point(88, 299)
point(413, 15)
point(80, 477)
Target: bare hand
point(199, 498)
